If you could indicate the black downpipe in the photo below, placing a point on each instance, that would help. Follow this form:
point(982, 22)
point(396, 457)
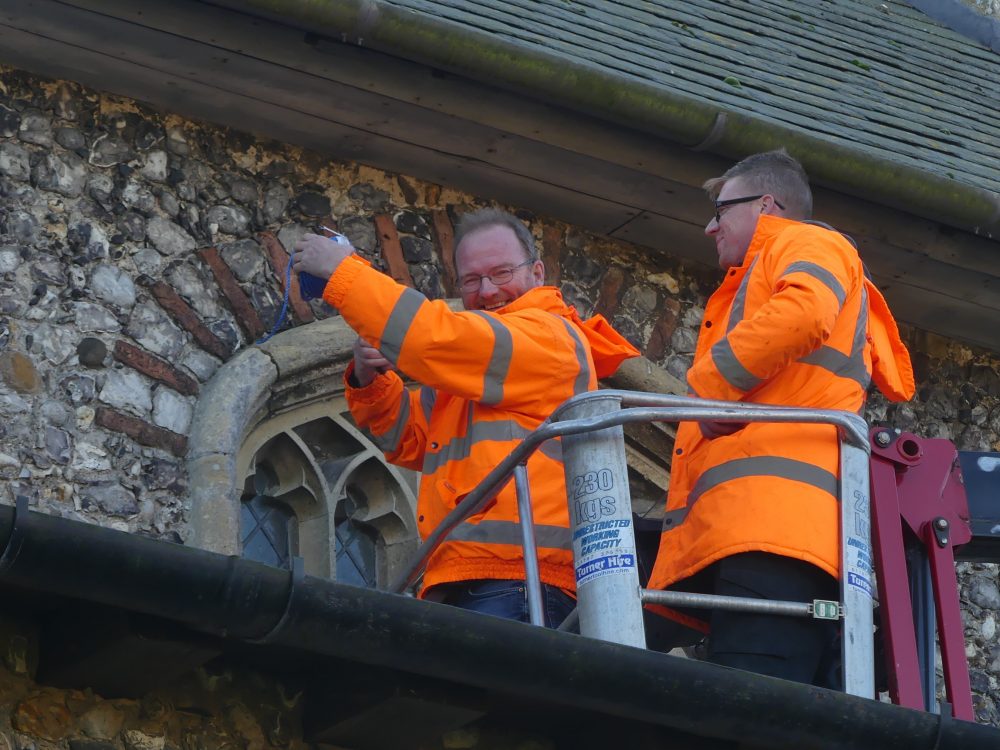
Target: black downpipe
point(253, 602)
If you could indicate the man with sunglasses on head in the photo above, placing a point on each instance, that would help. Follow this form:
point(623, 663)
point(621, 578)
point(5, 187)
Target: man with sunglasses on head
point(752, 509)
point(489, 375)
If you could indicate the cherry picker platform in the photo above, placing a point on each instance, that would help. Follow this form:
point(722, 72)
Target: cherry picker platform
point(910, 507)
point(121, 614)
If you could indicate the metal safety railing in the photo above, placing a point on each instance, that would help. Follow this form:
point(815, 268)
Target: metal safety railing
point(609, 597)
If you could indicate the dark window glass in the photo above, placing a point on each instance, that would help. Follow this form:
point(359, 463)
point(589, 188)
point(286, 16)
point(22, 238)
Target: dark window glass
point(356, 550)
point(264, 530)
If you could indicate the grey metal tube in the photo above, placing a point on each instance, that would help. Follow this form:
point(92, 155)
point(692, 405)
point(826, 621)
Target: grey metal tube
point(532, 582)
point(733, 603)
point(590, 88)
point(857, 645)
point(605, 560)
point(572, 621)
point(732, 411)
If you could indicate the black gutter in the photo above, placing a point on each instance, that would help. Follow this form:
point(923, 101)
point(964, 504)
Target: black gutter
point(247, 601)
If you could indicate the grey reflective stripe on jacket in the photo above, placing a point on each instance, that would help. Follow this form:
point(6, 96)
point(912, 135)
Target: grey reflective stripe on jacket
point(459, 448)
point(582, 382)
point(674, 518)
point(730, 367)
point(509, 532)
point(754, 466)
point(722, 353)
point(821, 274)
point(763, 466)
point(400, 320)
point(389, 441)
point(736, 310)
point(851, 366)
point(428, 397)
point(496, 370)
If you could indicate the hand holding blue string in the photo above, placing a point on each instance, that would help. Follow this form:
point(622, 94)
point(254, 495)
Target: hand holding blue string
point(310, 287)
point(279, 321)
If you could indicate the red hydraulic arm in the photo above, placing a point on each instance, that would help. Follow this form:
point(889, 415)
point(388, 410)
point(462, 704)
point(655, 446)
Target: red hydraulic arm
point(918, 498)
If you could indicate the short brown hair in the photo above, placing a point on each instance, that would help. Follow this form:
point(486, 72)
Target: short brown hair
point(484, 218)
point(771, 173)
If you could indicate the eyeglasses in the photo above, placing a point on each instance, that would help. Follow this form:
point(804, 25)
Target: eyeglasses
point(734, 201)
point(499, 277)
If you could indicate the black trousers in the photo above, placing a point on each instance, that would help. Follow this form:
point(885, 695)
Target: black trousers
point(792, 648)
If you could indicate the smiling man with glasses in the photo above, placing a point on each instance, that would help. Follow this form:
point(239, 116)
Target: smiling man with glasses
point(752, 509)
point(489, 376)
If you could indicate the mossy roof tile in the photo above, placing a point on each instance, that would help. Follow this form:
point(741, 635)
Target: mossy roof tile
point(881, 75)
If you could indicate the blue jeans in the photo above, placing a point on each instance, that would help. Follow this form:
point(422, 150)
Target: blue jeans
point(505, 598)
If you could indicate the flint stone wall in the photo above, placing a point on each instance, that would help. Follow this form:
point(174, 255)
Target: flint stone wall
point(140, 250)
point(205, 709)
point(219, 708)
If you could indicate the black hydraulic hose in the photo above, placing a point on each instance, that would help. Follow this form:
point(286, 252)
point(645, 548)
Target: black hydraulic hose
point(253, 602)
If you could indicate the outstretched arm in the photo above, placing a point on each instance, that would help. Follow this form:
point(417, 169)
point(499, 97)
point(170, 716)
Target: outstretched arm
point(517, 360)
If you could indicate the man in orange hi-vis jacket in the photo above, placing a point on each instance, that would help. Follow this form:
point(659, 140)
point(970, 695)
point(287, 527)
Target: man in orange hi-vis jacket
point(752, 509)
point(488, 375)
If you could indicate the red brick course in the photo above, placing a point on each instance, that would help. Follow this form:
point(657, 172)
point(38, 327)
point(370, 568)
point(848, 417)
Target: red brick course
point(610, 292)
point(278, 256)
point(140, 431)
point(243, 310)
point(552, 251)
point(663, 330)
point(156, 368)
point(446, 250)
point(187, 318)
point(392, 251)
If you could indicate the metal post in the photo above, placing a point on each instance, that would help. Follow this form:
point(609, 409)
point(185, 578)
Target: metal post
point(857, 648)
point(600, 512)
point(532, 583)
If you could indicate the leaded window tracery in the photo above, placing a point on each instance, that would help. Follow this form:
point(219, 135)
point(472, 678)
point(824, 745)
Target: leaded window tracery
point(316, 487)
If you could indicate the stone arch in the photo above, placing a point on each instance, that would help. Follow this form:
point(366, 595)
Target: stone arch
point(274, 417)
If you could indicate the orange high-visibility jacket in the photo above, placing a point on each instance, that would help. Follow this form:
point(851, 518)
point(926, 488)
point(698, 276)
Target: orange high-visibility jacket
point(796, 324)
point(488, 380)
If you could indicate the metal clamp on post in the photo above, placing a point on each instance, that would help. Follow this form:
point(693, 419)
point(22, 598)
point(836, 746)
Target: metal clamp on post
point(824, 609)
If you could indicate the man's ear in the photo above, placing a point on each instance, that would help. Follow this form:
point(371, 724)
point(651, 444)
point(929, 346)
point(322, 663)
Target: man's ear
point(770, 206)
point(538, 272)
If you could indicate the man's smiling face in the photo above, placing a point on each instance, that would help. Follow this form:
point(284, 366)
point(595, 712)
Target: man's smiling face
point(736, 225)
point(486, 251)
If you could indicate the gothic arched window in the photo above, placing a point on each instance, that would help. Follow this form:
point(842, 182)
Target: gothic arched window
point(315, 487)
point(279, 470)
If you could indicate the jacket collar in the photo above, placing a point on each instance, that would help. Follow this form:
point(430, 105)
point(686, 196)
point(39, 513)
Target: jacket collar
point(768, 227)
point(607, 347)
point(546, 298)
